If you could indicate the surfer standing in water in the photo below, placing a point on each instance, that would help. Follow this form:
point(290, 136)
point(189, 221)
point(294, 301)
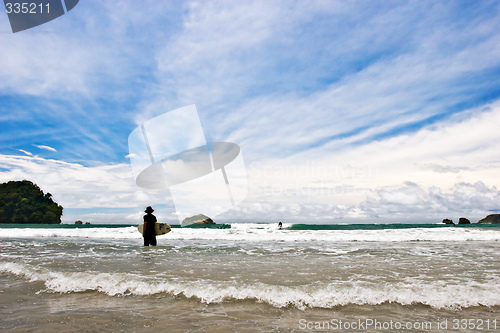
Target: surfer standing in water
point(149, 233)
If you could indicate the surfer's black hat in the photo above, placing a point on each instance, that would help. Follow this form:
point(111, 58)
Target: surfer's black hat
point(149, 209)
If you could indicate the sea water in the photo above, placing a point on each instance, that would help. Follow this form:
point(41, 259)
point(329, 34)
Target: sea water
point(251, 277)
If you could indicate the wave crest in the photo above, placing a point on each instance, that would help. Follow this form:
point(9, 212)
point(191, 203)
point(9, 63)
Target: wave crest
point(436, 294)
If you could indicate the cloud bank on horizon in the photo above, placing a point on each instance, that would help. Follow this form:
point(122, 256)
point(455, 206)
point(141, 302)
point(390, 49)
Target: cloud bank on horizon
point(344, 111)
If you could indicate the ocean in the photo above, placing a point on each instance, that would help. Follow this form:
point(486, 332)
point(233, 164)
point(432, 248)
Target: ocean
point(251, 277)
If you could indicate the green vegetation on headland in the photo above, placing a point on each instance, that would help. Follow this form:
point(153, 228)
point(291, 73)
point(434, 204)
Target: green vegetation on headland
point(23, 202)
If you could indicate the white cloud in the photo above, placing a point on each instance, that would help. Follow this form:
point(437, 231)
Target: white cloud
point(449, 169)
point(465, 197)
point(328, 100)
point(412, 203)
point(87, 52)
point(45, 148)
point(401, 177)
point(76, 186)
point(228, 53)
point(25, 152)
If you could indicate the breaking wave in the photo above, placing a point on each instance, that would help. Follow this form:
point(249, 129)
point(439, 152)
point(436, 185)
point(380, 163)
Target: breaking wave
point(436, 294)
point(269, 232)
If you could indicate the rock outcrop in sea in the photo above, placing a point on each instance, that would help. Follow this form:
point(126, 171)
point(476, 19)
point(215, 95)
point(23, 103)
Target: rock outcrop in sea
point(493, 218)
point(463, 220)
point(490, 219)
point(197, 219)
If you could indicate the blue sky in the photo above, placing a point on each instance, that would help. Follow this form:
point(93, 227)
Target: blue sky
point(344, 110)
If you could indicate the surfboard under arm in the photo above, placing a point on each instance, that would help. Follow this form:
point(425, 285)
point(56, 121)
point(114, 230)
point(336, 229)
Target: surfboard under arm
point(160, 228)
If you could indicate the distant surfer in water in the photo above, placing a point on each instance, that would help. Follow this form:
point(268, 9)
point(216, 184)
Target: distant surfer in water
point(149, 233)
point(280, 225)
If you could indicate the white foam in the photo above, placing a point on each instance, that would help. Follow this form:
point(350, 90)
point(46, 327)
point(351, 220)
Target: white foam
point(436, 294)
point(92, 233)
point(254, 232)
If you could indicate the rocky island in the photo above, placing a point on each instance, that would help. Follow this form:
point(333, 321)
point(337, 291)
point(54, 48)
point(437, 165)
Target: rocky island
point(493, 218)
point(463, 220)
point(197, 219)
point(25, 203)
point(490, 219)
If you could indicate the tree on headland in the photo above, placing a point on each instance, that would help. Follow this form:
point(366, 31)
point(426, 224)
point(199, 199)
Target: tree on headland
point(24, 202)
